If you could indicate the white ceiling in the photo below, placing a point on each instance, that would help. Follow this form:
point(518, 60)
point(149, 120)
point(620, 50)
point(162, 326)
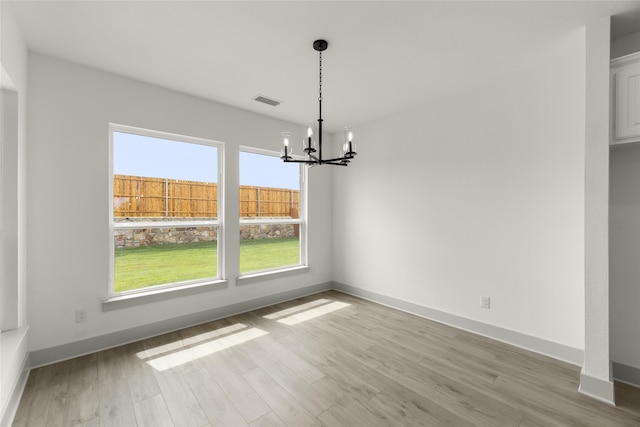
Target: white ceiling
point(383, 57)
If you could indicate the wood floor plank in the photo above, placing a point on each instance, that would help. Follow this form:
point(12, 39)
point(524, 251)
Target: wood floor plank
point(558, 407)
point(628, 400)
point(236, 354)
point(162, 344)
point(326, 359)
point(406, 322)
point(394, 402)
point(269, 420)
point(344, 382)
point(297, 364)
point(475, 406)
point(198, 341)
point(410, 409)
point(169, 350)
point(83, 401)
point(184, 408)
point(244, 397)
point(468, 403)
point(477, 367)
point(93, 422)
point(111, 365)
point(461, 370)
point(289, 308)
point(407, 340)
point(56, 411)
point(351, 412)
point(340, 329)
point(312, 345)
point(362, 354)
point(532, 420)
point(217, 406)
point(282, 403)
point(48, 403)
point(116, 408)
point(152, 412)
point(26, 409)
point(303, 393)
point(330, 419)
point(140, 376)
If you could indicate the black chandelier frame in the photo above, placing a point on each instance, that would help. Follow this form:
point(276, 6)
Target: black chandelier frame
point(349, 152)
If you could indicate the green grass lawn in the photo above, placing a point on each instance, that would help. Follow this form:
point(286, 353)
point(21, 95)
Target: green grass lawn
point(146, 266)
point(262, 254)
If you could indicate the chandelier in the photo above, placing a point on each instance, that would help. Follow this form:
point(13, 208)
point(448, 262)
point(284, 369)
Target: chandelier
point(313, 144)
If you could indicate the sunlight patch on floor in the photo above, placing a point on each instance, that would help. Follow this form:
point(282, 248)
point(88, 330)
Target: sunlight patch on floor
point(313, 313)
point(189, 354)
point(184, 351)
point(301, 307)
point(172, 346)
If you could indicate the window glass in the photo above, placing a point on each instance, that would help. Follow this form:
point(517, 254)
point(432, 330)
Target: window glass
point(165, 211)
point(270, 219)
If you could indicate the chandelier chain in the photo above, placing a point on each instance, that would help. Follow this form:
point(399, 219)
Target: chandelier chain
point(320, 91)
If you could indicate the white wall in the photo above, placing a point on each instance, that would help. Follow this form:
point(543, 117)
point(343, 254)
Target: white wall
point(624, 254)
point(70, 107)
point(480, 193)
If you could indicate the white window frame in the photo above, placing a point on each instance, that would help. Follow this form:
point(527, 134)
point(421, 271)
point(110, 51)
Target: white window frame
point(302, 221)
point(190, 286)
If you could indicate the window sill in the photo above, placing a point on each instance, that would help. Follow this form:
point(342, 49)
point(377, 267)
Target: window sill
point(132, 300)
point(272, 274)
point(11, 342)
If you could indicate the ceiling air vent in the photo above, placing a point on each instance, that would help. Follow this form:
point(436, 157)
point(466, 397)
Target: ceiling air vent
point(267, 100)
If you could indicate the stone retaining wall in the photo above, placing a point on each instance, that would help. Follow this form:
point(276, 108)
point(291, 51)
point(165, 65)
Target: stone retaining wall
point(268, 231)
point(135, 237)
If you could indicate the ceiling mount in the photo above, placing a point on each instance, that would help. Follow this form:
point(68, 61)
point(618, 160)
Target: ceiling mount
point(320, 45)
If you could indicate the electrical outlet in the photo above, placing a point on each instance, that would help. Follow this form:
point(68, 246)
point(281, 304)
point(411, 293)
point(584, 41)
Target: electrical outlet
point(81, 315)
point(485, 302)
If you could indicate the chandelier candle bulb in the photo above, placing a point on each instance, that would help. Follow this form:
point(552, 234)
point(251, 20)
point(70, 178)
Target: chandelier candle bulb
point(309, 144)
point(348, 142)
point(285, 153)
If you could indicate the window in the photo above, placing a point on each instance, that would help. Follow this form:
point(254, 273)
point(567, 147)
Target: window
point(165, 210)
point(272, 226)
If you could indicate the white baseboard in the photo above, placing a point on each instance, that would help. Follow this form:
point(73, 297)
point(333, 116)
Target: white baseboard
point(597, 388)
point(562, 352)
point(626, 374)
point(91, 345)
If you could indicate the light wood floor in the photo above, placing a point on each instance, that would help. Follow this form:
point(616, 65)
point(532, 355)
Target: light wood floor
point(327, 359)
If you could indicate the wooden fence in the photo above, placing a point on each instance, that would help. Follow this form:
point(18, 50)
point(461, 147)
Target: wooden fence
point(137, 196)
point(269, 202)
